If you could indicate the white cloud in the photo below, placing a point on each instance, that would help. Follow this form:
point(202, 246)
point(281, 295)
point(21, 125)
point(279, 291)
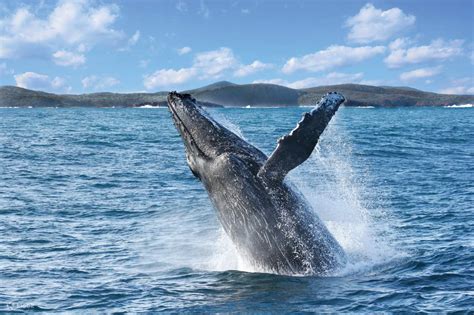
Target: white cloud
point(82, 48)
point(212, 64)
point(399, 43)
point(37, 81)
point(437, 50)
point(245, 11)
point(209, 64)
point(59, 83)
point(70, 24)
point(460, 86)
point(184, 50)
point(458, 90)
point(181, 6)
point(132, 41)
point(372, 24)
point(99, 83)
point(254, 67)
point(333, 56)
point(420, 73)
point(330, 79)
point(168, 77)
point(68, 59)
point(204, 10)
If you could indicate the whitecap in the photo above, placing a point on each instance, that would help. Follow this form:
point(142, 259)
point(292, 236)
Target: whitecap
point(459, 106)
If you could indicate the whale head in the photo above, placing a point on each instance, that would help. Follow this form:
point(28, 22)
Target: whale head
point(204, 138)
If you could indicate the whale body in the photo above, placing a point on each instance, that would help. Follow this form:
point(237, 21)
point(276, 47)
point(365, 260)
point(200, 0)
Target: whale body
point(269, 221)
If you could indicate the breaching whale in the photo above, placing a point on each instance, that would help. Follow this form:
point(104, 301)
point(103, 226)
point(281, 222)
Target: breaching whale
point(268, 219)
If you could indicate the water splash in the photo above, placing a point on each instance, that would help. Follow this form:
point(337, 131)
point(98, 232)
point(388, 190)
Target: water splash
point(331, 185)
point(459, 106)
point(224, 121)
point(336, 191)
point(227, 257)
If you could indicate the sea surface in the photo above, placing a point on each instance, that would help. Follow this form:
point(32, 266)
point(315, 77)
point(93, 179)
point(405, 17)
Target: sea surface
point(100, 213)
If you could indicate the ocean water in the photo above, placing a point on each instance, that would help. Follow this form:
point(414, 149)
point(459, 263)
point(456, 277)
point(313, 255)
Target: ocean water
point(100, 213)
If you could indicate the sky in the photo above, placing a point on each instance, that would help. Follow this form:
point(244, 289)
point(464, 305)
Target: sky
point(83, 46)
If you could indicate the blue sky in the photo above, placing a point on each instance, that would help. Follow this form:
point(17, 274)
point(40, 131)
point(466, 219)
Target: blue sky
point(77, 46)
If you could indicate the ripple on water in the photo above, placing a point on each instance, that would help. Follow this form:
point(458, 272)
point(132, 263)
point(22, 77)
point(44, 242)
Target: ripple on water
point(99, 213)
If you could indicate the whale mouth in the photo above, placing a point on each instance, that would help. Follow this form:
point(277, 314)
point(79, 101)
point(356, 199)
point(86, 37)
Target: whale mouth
point(188, 139)
point(178, 121)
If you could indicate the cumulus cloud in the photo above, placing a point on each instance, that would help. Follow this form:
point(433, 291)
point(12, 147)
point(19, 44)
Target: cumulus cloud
point(70, 24)
point(437, 50)
point(184, 50)
point(94, 82)
point(167, 77)
point(458, 90)
point(68, 59)
point(460, 86)
point(245, 70)
point(331, 57)
point(329, 79)
point(420, 73)
point(372, 24)
point(212, 64)
point(206, 65)
point(37, 81)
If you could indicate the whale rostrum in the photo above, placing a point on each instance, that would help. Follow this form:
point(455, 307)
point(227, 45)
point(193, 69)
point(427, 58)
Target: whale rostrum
point(269, 221)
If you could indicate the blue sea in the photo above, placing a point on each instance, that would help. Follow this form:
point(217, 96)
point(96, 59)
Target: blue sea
point(100, 213)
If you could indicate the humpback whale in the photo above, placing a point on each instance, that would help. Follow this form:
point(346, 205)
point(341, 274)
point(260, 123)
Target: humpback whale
point(269, 221)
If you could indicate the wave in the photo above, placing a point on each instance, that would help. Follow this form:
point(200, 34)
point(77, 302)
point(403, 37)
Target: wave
point(364, 106)
point(459, 106)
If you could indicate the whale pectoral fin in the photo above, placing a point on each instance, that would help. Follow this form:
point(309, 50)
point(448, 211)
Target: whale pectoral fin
point(294, 148)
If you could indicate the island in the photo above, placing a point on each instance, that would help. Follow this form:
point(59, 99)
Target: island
point(227, 94)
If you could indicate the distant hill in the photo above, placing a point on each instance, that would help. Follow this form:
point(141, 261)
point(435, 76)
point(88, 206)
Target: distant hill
point(229, 94)
point(12, 96)
point(249, 94)
point(366, 95)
